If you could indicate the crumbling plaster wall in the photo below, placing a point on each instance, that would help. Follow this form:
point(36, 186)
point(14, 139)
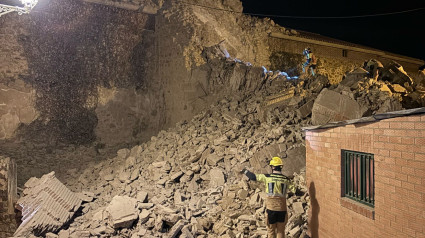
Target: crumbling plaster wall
point(75, 73)
point(60, 65)
point(17, 98)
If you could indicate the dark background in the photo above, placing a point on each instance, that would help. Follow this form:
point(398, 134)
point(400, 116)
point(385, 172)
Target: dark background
point(402, 33)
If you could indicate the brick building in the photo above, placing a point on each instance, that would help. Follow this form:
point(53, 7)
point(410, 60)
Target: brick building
point(366, 177)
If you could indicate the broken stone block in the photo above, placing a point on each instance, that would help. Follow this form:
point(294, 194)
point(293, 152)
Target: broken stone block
point(318, 83)
point(122, 154)
point(124, 176)
point(249, 218)
point(295, 232)
point(331, 106)
point(237, 77)
point(213, 159)
point(389, 105)
point(352, 78)
point(216, 177)
point(134, 174)
point(86, 196)
point(162, 181)
point(175, 230)
point(147, 205)
point(46, 205)
point(305, 109)
point(298, 208)
point(165, 210)
point(130, 162)
point(63, 234)
point(51, 235)
point(100, 215)
point(144, 216)
point(242, 194)
point(185, 231)
point(123, 211)
point(142, 196)
point(101, 230)
point(176, 176)
point(178, 198)
point(254, 200)
point(172, 218)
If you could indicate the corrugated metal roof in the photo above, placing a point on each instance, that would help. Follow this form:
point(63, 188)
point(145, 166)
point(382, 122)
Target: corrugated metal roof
point(373, 118)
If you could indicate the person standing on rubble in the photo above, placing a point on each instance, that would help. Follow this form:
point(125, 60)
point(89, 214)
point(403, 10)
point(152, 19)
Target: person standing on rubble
point(373, 66)
point(311, 61)
point(277, 185)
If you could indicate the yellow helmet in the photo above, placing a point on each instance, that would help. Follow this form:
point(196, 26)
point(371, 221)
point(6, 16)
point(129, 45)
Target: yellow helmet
point(276, 161)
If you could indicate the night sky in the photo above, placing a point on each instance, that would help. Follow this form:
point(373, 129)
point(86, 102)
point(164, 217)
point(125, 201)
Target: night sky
point(400, 33)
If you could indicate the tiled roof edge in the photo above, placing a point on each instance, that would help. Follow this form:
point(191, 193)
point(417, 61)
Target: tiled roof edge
point(373, 118)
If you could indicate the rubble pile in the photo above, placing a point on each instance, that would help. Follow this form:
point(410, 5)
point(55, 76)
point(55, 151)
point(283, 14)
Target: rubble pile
point(393, 90)
point(186, 181)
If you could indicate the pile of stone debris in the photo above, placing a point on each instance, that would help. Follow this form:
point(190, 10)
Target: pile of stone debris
point(185, 182)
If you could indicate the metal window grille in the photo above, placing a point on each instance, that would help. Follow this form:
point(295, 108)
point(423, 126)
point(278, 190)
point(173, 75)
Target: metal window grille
point(359, 179)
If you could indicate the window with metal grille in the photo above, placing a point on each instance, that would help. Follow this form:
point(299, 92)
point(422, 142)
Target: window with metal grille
point(358, 174)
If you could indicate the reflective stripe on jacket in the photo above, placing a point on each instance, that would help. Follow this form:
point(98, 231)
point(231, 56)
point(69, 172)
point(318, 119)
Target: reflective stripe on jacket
point(276, 184)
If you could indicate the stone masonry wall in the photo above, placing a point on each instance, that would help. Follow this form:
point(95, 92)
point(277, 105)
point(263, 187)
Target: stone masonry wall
point(8, 196)
point(17, 98)
point(398, 145)
point(183, 32)
point(331, 61)
point(65, 61)
point(75, 74)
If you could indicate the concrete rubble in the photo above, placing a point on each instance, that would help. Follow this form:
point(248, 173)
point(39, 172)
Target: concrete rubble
point(185, 182)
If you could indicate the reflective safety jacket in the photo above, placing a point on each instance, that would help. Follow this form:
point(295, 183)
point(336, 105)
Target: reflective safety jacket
point(276, 185)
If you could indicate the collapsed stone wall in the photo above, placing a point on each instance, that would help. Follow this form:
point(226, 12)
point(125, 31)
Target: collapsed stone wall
point(183, 31)
point(116, 77)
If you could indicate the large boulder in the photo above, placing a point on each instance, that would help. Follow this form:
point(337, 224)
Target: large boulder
point(331, 106)
point(123, 211)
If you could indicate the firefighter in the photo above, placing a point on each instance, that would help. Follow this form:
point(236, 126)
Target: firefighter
point(276, 186)
point(311, 61)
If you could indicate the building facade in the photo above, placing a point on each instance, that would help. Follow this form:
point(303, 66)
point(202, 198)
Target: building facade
point(378, 192)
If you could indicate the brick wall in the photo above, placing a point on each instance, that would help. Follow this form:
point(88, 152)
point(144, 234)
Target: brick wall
point(8, 196)
point(398, 145)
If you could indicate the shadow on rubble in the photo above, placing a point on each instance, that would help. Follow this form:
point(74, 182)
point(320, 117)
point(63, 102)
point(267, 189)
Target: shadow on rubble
point(314, 214)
